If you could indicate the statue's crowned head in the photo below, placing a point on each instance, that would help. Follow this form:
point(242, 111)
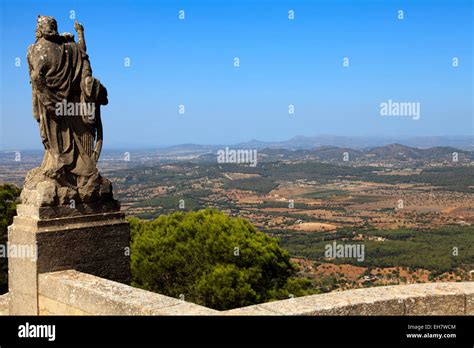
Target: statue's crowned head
point(46, 27)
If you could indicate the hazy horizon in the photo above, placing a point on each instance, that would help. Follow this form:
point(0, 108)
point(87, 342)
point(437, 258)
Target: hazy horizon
point(372, 140)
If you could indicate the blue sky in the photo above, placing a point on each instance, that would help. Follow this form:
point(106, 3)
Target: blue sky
point(282, 62)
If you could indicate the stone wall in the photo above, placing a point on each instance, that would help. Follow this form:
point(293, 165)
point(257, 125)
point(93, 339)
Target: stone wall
point(74, 293)
point(413, 299)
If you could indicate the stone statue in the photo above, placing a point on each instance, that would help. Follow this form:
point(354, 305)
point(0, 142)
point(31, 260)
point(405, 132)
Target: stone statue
point(67, 216)
point(66, 104)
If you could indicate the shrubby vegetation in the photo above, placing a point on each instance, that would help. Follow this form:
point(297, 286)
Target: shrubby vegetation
point(171, 202)
point(430, 249)
point(260, 185)
point(8, 196)
point(459, 179)
point(277, 204)
point(211, 259)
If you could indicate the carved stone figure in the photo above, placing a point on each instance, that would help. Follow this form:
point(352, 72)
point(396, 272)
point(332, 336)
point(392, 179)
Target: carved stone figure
point(66, 104)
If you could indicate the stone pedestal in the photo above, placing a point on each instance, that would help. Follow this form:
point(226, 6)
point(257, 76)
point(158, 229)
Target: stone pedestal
point(90, 239)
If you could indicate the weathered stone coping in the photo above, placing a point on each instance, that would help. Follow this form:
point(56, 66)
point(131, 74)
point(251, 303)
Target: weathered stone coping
point(74, 293)
point(413, 299)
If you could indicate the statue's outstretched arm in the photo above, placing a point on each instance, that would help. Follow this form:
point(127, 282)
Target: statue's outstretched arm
point(81, 41)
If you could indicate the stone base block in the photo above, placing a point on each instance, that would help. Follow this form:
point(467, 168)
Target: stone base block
point(97, 244)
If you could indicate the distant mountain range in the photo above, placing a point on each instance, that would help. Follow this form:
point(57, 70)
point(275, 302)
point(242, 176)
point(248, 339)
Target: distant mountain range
point(324, 147)
point(362, 142)
point(332, 148)
point(387, 153)
point(352, 142)
point(391, 152)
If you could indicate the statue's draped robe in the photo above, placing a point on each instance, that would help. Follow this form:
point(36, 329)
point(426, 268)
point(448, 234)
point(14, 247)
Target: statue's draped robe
point(68, 140)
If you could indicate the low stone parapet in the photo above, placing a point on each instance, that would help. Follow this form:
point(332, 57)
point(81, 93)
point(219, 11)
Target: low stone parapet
point(74, 293)
point(413, 299)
